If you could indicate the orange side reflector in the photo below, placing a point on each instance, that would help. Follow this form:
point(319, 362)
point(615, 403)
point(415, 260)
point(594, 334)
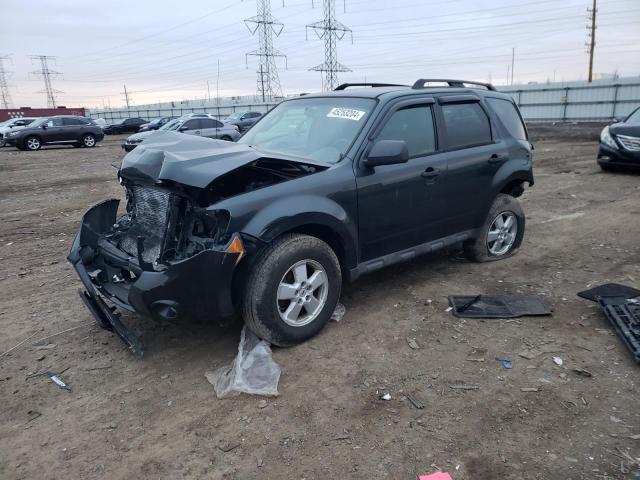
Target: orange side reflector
point(236, 247)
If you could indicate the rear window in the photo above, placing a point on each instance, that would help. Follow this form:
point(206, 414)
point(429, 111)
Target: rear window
point(509, 117)
point(466, 125)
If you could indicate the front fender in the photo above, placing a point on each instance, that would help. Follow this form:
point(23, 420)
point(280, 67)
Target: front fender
point(293, 212)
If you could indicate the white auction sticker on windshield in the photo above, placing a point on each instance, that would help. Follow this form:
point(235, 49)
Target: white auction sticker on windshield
point(348, 113)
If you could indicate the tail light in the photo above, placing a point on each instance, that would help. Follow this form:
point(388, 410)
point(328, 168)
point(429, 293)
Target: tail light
point(237, 128)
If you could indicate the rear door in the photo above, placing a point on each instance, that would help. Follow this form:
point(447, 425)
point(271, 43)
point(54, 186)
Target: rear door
point(72, 129)
point(401, 206)
point(209, 127)
point(474, 155)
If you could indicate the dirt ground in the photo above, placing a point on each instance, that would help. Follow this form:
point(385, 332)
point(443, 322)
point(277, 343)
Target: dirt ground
point(159, 418)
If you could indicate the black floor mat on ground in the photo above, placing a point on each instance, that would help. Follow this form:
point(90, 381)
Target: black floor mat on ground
point(609, 290)
point(497, 306)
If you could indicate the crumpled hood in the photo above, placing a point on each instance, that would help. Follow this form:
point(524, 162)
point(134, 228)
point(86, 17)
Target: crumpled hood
point(630, 129)
point(190, 160)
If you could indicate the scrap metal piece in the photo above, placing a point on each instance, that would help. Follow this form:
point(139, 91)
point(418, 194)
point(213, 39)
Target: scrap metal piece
point(624, 317)
point(609, 290)
point(497, 306)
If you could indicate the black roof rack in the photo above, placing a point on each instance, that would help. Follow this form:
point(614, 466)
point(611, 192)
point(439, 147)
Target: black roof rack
point(344, 86)
point(452, 83)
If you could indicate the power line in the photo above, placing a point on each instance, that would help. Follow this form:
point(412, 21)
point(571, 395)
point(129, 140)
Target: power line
point(266, 26)
point(5, 96)
point(592, 37)
point(46, 73)
point(330, 30)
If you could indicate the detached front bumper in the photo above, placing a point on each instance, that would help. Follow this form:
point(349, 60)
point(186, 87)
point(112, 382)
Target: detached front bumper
point(614, 157)
point(198, 287)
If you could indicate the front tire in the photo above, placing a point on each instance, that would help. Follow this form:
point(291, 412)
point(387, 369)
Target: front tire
point(32, 143)
point(502, 232)
point(291, 290)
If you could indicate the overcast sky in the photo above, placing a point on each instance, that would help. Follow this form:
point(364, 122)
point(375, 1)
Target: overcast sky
point(168, 50)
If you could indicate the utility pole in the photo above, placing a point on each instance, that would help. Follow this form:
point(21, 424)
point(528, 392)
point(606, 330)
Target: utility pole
point(330, 30)
point(46, 73)
point(513, 60)
point(218, 84)
point(592, 37)
point(268, 85)
point(126, 96)
point(5, 96)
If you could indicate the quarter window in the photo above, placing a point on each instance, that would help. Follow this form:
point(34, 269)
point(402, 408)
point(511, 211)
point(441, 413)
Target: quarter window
point(414, 125)
point(466, 125)
point(509, 117)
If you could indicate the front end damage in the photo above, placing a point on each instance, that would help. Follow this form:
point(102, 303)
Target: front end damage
point(170, 254)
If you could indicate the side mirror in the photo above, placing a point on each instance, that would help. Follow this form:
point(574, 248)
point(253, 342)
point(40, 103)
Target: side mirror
point(615, 120)
point(44, 126)
point(183, 129)
point(387, 152)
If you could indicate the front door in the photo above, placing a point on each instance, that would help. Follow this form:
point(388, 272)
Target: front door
point(401, 206)
point(55, 131)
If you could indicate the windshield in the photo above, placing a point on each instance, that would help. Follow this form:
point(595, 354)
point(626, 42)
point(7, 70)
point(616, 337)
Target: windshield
point(315, 128)
point(634, 117)
point(172, 125)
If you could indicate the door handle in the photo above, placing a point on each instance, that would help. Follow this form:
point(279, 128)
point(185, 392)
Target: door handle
point(197, 132)
point(496, 158)
point(430, 172)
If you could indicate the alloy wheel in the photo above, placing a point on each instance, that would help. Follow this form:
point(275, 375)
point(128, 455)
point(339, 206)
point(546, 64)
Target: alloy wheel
point(89, 141)
point(302, 293)
point(33, 144)
point(502, 233)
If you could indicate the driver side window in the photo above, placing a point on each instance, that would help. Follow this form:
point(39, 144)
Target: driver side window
point(191, 125)
point(414, 125)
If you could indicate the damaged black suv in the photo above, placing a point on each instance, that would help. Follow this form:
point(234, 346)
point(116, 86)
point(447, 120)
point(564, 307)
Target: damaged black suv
point(324, 188)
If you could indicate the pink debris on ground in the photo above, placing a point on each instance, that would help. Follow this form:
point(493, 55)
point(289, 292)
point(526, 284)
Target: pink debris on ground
point(435, 476)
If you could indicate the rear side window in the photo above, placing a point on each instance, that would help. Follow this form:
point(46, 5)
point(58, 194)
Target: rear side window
point(466, 125)
point(414, 125)
point(509, 117)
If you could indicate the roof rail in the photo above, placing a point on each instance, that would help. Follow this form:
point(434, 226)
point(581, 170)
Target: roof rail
point(452, 83)
point(344, 86)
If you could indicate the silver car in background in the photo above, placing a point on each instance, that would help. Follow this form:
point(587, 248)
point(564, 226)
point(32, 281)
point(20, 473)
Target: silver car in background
point(190, 124)
point(12, 125)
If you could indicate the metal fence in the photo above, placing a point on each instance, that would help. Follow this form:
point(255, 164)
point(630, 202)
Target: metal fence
point(149, 113)
point(601, 100)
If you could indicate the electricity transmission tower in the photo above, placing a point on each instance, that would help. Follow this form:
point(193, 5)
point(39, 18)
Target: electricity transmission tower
point(46, 75)
point(591, 35)
point(127, 98)
point(330, 30)
point(266, 26)
point(5, 96)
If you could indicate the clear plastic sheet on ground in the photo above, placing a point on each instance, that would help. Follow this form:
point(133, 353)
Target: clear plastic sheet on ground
point(338, 313)
point(253, 370)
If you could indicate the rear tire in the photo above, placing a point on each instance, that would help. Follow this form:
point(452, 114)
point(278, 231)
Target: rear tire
point(502, 232)
point(32, 143)
point(291, 290)
point(88, 141)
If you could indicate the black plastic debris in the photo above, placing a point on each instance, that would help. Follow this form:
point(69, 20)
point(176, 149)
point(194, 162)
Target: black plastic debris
point(621, 306)
point(497, 306)
point(609, 290)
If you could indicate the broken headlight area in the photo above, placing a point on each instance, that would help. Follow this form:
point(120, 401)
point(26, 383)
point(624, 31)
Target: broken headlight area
point(160, 227)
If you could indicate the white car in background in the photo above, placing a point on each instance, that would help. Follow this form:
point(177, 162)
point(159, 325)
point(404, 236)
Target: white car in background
point(13, 125)
point(101, 122)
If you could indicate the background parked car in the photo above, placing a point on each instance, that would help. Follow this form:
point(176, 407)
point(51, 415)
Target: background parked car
point(133, 140)
point(191, 124)
point(155, 124)
point(101, 122)
point(620, 143)
point(58, 130)
point(125, 125)
point(244, 120)
point(13, 125)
